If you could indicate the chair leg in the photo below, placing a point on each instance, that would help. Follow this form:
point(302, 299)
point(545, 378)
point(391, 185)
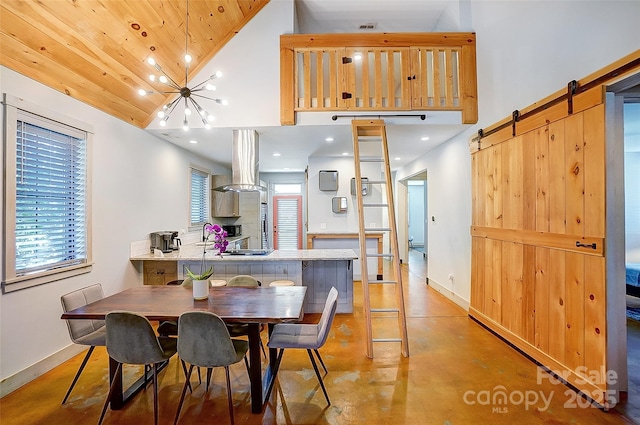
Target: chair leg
point(321, 362)
point(106, 402)
point(155, 393)
point(184, 369)
point(264, 352)
point(75, 379)
point(226, 369)
point(246, 363)
point(315, 367)
point(209, 371)
point(184, 392)
point(275, 373)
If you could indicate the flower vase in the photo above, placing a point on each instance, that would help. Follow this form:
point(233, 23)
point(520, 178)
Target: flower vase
point(200, 289)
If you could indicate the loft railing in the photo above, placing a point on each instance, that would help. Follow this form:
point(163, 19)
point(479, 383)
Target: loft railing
point(378, 72)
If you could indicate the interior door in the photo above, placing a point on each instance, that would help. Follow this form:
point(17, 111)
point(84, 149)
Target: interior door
point(287, 222)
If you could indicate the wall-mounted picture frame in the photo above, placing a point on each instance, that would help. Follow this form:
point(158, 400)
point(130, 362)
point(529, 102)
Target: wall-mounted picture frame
point(328, 180)
point(365, 186)
point(339, 204)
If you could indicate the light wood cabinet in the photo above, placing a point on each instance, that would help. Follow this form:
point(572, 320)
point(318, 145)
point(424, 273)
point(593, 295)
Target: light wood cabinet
point(159, 272)
point(224, 204)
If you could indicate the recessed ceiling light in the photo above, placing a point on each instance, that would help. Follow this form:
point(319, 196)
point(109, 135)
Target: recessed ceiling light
point(329, 139)
point(345, 153)
point(424, 138)
point(276, 154)
point(286, 168)
point(397, 158)
point(193, 142)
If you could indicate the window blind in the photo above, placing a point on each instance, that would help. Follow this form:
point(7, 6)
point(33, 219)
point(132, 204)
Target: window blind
point(199, 204)
point(51, 178)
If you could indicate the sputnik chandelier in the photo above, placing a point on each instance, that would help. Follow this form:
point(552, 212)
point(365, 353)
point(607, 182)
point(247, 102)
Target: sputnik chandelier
point(186, 94)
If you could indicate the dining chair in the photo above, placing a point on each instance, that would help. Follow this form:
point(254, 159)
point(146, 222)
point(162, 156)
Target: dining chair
point(84, 332)
point(204, 341)
point(306, 336)
point(242, 329)
point(132, 340)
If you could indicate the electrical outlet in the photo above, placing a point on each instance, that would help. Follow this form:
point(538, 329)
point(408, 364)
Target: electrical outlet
point(451, 276)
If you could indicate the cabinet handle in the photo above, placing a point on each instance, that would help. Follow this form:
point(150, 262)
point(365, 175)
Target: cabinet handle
point(585, 245)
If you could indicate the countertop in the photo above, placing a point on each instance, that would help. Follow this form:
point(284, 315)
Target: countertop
point(193, 252)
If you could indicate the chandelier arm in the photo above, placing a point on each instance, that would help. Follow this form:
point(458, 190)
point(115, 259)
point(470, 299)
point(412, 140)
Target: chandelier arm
point(170, 81)
point(186, 48)
point(171, 107)
point(199, 86)
point(205, 97)
point(199, 108)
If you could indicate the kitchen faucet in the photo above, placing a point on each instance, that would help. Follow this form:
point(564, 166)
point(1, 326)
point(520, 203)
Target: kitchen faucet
point(203, 227)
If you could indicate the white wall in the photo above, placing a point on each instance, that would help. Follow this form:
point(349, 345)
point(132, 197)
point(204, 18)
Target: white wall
point(526, 50)
point(140, 185)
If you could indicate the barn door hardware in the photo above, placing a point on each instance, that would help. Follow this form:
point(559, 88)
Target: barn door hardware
point(346, 59)
point(585, 245)
point(411, 77)
point(572, 87)
point(515, 117)
point(346, 95)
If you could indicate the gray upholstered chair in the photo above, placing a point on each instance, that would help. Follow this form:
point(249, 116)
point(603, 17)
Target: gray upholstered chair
point(204, 341)
point(132, 340)
point(306, 336)
point(84, 332)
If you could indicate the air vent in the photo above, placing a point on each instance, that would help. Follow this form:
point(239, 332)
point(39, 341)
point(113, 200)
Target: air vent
point(367, 27)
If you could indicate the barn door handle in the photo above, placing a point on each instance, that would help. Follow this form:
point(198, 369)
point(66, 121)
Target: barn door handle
point(585, 245)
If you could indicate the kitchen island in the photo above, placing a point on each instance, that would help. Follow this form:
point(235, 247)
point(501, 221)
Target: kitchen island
point(317, 269)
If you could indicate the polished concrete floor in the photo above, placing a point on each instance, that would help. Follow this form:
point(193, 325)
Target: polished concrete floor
point(455, 371)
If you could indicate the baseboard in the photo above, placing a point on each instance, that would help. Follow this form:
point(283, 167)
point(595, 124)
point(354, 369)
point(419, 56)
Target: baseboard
point(18, 379)
point(449, 294)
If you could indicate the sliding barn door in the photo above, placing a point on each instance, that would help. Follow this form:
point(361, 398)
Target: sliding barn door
point(538, 237)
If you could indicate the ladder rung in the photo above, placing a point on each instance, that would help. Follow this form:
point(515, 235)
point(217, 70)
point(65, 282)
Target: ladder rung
point(376, 182)
point(375, 282)
point(369, 139)
point(371, 159)
point(386, 339)
point(379, 255)
point(377, 229)
point(375, 205)
point(384, 310)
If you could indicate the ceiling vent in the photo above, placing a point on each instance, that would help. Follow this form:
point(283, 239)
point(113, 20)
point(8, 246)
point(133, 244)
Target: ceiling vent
point(367, 27)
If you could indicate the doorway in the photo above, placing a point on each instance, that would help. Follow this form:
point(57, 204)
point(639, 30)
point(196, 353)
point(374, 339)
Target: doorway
point(415, 222)
point(287, 222)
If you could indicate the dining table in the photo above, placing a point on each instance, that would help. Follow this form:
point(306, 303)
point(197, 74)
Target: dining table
point(252, 306)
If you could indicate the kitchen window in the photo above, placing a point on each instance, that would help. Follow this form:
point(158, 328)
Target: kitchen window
point(199, 204)
point(46, 205)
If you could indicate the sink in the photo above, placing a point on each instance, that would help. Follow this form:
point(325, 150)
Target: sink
point(248, 251)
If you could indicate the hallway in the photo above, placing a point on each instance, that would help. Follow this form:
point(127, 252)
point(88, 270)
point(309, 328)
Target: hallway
point(455, 371)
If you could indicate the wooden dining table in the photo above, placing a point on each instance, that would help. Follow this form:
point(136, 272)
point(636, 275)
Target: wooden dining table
point(253, 306)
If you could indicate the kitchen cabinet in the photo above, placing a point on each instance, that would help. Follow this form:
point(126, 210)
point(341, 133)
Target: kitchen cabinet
point(159, 272)
point(224, 204)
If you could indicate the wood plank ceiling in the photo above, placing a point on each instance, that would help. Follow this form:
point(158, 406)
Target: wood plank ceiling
point(96, 50)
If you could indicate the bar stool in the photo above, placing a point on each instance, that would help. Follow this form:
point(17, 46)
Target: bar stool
point(218, 282)
point(282, 283)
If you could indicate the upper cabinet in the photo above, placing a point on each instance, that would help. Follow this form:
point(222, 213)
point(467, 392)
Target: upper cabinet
point(378, 72)
point(224, 204)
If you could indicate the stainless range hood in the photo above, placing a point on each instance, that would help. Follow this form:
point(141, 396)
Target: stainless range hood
point(244, 163)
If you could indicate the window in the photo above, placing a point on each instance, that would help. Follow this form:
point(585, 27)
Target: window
point(199, 205)
point(281, 188)
point(46, 206)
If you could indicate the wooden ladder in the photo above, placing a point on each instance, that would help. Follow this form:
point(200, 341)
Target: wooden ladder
point(371, 158)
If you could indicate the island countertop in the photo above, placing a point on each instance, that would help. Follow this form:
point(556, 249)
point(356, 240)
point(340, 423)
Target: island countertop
point(194, 253)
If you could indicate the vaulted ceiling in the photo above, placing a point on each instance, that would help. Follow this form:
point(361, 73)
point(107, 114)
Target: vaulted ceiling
point(96, 51)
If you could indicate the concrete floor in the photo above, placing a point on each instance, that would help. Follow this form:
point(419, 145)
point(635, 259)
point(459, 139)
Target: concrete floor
point(455, 369)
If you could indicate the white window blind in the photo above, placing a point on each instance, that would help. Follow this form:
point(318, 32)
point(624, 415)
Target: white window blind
point(199, 199)
point(288, 223)
point(50, 197)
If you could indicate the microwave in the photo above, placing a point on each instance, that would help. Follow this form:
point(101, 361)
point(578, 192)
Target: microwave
point(233, 230)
